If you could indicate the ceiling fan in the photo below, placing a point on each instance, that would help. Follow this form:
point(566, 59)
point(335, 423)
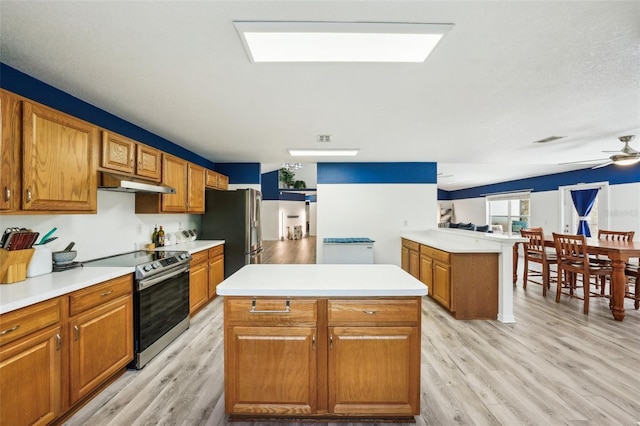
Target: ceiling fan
point(625, 157)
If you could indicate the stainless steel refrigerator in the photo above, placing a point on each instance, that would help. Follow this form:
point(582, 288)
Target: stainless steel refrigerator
point(234, 216)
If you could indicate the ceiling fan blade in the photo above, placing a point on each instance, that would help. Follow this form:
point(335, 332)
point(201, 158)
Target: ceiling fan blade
point(584, 161)
point(602, 165)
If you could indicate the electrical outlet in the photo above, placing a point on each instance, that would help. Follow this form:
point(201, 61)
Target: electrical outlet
point(139, 229)
point(406, 223)
point(179, 226)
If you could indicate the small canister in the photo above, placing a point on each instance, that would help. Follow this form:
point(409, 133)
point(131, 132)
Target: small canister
point(41, 262)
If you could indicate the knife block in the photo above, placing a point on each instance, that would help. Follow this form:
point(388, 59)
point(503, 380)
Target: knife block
point(13, 265)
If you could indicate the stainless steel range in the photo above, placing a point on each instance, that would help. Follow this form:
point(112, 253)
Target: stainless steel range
point(160, 298)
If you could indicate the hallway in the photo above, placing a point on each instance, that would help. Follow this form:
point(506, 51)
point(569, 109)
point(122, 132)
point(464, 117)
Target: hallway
point(290, 251)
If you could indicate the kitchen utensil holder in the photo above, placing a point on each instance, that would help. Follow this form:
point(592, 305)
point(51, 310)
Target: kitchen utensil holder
point(13, 265)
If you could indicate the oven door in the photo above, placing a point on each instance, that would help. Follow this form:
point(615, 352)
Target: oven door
point(161, 303)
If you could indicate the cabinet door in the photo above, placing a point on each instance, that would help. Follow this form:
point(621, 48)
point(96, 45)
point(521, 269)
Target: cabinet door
point(211, 179)
point(223, 182)
point(426, 272)
point(270, 370)
point(149, 163)
point(442, 284)
point(60, 161)
point(10, 139)
point(174, 174)
point(118, 153)
point(414, 263)
point(101, 344)
point(30, 379)
point(405, 258)
point(195, 189)
point(198, 286)
point(216, 274)
point(392, 353)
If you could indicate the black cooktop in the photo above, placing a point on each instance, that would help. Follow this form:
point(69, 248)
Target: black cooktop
point(133, 258)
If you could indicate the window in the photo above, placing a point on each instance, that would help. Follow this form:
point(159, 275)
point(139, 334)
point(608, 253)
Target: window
point(510, 211)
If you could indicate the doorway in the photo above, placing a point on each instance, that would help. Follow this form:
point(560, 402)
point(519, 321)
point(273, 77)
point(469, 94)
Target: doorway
point(598, 217)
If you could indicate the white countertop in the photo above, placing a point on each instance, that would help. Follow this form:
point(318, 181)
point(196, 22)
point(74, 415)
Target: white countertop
point(321, 280)
point(37, 289)
point(462, 241)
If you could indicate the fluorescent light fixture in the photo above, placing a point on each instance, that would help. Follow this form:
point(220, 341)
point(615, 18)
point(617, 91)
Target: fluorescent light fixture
point(323, 152)
point(339, 41)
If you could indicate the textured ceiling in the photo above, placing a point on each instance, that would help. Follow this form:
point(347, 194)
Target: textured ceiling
point(509, 73)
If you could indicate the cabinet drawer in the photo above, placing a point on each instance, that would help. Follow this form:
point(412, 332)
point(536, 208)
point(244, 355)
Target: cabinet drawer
point(95, 295)
point(216, 251)
point(22, 322)
point(270, 311)
point(198, 257)
point(373, 311)
point(411, 245)
point(436, 254)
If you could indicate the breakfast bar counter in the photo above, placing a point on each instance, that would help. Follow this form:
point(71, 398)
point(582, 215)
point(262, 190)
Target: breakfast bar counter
point(322, 342)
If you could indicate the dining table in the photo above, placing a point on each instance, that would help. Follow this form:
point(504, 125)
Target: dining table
point(618, 252)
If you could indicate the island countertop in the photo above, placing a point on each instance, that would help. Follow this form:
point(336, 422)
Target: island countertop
point(341, 280)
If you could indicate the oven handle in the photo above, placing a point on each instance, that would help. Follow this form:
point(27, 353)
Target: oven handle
point(142, 284)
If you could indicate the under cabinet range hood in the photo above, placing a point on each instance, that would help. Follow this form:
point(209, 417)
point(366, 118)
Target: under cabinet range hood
point(119, 183)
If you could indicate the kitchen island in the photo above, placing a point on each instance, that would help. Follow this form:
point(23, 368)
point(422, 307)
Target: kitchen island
point(322, 341)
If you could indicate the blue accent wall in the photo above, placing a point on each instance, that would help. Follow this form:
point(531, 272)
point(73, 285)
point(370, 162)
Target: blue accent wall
point(337, 173)
point(270, 186)
point(613, 174)
point(240, 172)
point(31, 88)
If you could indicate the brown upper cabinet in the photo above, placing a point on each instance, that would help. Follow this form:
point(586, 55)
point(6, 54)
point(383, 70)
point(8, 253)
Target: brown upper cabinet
point(216, 180)
point(10, 141)
point(59, 161)
point(188, 181)
point(125, 155)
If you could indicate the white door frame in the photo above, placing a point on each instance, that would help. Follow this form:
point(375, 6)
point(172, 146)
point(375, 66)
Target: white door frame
point(567, 208)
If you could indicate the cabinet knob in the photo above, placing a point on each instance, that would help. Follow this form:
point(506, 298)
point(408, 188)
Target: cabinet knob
point(28, 195)
point(7, 193)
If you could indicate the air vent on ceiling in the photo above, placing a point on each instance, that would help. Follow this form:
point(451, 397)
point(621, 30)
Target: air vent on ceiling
point(549, 139)
point(324, 138)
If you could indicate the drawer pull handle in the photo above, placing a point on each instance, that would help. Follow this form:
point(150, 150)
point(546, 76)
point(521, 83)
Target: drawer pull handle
point(313, 343)
point(106, 293)
point(28, 195)
point(370, 312)
point(76, 333)
point(286, 310)
point(7, 193)
point(58, 341)
point(331, 342)
point(11, 330)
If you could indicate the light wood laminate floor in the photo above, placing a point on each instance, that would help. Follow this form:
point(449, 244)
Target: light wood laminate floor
point(555, 366)
point(290, 251)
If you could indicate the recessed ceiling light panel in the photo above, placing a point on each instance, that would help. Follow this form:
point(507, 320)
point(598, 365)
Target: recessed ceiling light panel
point(339, 41)
point(323, 152)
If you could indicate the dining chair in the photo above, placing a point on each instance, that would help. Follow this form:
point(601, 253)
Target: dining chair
point(610, 236)
point(632, 271)
point(573, 259)
point(535, 251)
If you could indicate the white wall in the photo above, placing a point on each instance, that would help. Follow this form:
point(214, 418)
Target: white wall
point(377, 211)
point(114, 229)
point(624, 209)
point(275, 218)
point(313, 219)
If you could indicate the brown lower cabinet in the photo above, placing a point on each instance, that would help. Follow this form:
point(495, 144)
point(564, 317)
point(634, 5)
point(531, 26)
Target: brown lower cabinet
point(207, 271)
point(466, 284)
point(319, 357)
point(54, 354)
